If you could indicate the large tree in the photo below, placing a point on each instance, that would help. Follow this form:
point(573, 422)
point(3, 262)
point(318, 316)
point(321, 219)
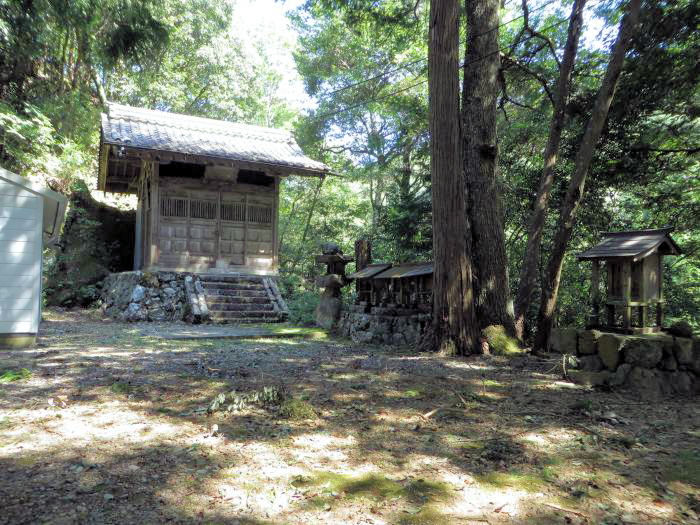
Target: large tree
point(454, 321)
point(480, 141)
point(584, 156)
point(528, 270)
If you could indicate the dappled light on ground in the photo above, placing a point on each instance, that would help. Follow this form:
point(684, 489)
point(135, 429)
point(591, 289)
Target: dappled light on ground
point(109, 425)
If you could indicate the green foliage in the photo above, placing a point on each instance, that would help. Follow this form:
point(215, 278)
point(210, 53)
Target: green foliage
point(297, 410)
point(302, 306)
point(9, 376)
point(500, 343)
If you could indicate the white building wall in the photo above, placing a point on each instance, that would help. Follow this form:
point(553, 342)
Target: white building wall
point(21, 217)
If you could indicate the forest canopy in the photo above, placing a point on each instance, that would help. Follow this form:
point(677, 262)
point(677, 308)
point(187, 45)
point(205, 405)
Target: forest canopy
point(363, 66)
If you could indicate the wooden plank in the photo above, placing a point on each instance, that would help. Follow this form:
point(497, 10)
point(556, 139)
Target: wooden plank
point(16, 245)
point(17, 327)
point(275, 225)
point(595, 290)
point(24, 201)
point(155, 215)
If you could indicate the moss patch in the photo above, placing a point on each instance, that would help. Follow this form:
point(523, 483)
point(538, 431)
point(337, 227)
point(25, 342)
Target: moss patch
point(500, 343)
point(15, 375)
point(297, 409)
point(685, 468)
point(376, 487)
point(527, 481)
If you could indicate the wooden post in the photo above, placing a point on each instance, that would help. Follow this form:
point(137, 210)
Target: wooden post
point(642, 316)
point(626, 293)
point(595, 291)
point(363, 257)
point(660, 304)
point(611, 314)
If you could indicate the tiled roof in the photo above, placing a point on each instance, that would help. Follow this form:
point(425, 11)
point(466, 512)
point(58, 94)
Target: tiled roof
point(633, 244)
point(172, 132)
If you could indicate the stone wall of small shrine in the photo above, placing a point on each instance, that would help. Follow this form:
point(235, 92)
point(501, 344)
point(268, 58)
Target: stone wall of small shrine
point(653, 365)
point(383, 325)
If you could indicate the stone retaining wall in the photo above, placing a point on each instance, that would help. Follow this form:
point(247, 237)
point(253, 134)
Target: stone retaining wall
point(153, 296)
point(389, 326)
point(653, 365)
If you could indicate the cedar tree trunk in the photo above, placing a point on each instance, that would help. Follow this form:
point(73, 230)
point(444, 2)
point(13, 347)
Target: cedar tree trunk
point(454, 321)
point(480, 142)
point(574, 193)
point(528, 270)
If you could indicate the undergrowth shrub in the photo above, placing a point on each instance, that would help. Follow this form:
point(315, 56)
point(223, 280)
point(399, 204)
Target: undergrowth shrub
point(500, 343)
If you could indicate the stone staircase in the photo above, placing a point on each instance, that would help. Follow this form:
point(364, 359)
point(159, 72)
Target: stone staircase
point(243, 299)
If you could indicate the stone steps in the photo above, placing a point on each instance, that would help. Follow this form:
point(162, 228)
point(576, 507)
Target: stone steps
point(227, 307)
point(216, 292)
point(250, 316)
point(243, 299)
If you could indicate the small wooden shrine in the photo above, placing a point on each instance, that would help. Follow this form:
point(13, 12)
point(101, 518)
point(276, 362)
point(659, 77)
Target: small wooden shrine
point(401, 285)
point(208, 190)
point(634, 263)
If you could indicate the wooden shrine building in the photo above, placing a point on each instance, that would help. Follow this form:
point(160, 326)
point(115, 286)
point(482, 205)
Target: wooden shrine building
point(208, 190)
point(634, 263)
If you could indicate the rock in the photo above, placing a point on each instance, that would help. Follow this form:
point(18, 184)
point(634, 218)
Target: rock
point(138, 294)
point(683, 350)
point(682, 383)
point(167, 277)
point(134, 313)
point(646, 382)
point(587, 378)
point(331, 248)
point(170, 292)
point(609, 349)
point(591, 363)
point(669, 363)
point(619, 377)
point(696, 357)
point(642, 352)
point(680, 329)
point(563, 340)
point(588, 341)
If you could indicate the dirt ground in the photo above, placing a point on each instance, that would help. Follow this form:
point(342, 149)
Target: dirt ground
point(110, 425)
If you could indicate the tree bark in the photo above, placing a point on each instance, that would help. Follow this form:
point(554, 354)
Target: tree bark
point(574, 193)
point(483, 190)
point(528, 270)
point(454, 321)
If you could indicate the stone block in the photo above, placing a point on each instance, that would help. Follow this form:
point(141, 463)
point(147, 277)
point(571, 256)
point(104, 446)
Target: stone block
point(587, 378)
point(682, 382)
point(619, 377)
point(650, 384)
point(643, 352)
point(610, 349)
point(328, 311)
point(588, 341)
point(683, 350)
point(138, 294)
point(669, 363)
point(590, 363)
point(563, 340)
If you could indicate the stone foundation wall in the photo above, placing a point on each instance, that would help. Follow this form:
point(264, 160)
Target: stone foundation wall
point(152, 296)
point(654, 365)
point(389, 326)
